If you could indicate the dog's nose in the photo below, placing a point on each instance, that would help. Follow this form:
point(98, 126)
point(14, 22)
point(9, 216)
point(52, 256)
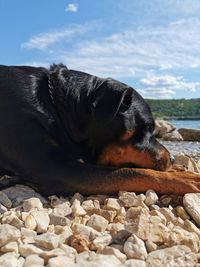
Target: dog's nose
point(172, 159)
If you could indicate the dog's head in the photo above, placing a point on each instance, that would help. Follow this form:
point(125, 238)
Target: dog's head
point(112, 120)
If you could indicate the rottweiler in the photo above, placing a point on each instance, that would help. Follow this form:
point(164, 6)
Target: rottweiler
point(66, 131)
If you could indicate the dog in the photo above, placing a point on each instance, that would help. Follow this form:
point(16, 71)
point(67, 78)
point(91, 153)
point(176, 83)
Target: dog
point(66, 131)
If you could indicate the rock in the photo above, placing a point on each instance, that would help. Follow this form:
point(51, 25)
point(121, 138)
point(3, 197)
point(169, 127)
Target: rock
point(79, 242)
point(77, 210)
point(168, 214)
point(29, 249)
point(191, 202)
point(173, 136)
point(62, 209)
point(42, 220)
point(59, 220)
point(10, 247)
point(33, 260)
point(190, 134)
point(181, 212)
point(150, 246)
point(162, 127)
point(191, 227)
point(112, 204)
point(107, 214)
point(184, 161)
point(30, 222)
point(129, 199)
point(60, 261)
point(134, 248)
point(137, 222)
point(101, 242)
point(8, 233)
point(77, 196)
point(135, 263)
point(2, 209)
point(176, 256)
point(69, 251)
point(179, 236)
point(27, 233)
point(47, 240)
point(98, 222)
point(17, 194)
point(157, 230)
point(46, 255)
point(87, 231)
point(4, 200)
point(113, 251)
point(32, 203)
point(151, 197)
point(88, 205)
point(11, 259)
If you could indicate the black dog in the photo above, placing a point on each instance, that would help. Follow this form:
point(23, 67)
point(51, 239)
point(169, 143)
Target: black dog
point(67, 131)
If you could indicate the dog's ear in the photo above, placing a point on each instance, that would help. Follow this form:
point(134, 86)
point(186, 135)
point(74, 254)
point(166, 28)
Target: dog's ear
point(109, 98)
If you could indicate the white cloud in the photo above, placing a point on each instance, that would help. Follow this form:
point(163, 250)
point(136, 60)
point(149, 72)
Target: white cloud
point(165, 86)
point(72, 7)
point(44, 40)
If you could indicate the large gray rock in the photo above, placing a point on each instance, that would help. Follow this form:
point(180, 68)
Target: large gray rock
point(162, 127)
point(190, 134)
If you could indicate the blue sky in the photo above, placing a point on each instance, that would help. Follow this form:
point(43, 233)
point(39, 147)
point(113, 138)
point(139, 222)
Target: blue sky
point(154, 46)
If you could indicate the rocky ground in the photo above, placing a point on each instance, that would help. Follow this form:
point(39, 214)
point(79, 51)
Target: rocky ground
point(141, 230)
point(144, 230)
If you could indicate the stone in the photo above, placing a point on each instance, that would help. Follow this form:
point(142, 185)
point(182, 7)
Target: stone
point(112, 204)
point(69, 251)
point(8, 233)
point(62, 209)
point(191, 202)
point(30, 222)
point(46, 255)
point(88, 205)
point(33, 260)
point(150, 246)
point(91, 259)
point(157, 230)
point(10, 247)
point(129, 199)
point(42, 220)
point(190, 134)
point(29, 249)
point(151, 197)
point(47, 240)
point(2, 208)
point(98, 222)
point(79, 242)
point(4, 200)
point(169, 215)
point(179, 236)
point(135, 263)
point(162, 127)
point(88, 232)
point(17, 194)
point(184, 161)
point(101, 241)
point(134, 248)
point(60, 261)
point(11, 259)
point(173, 136)
point(107, 214)
point(176, 256)
point(27, 233)
point(77, 196)
point(113, 251)
point(137, 222)
point(59, 220)
point(11, 218)
point(191, 227)
point(32, 203)
point(181, 212)
point(77, 210)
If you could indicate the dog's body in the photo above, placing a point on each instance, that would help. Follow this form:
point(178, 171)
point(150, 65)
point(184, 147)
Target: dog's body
point(68, 131)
